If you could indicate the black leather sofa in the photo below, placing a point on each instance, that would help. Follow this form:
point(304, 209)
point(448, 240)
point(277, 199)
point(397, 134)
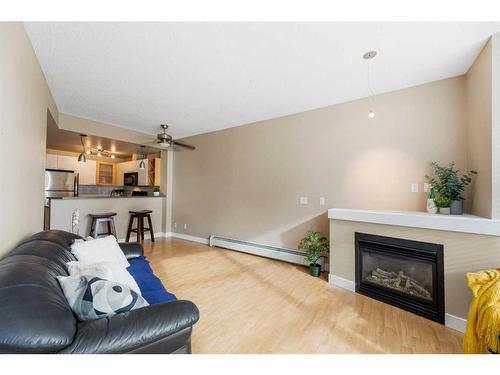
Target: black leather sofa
point(36, 318)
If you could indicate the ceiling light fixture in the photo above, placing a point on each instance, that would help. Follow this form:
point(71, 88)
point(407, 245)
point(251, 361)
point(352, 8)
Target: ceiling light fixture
point(112, 156)
point(369, 56)
point(82, 158)
point(142, 165)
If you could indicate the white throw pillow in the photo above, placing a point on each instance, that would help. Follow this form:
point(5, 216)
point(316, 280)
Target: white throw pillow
point(104, 270)
point(91, 297)
point(99, 250)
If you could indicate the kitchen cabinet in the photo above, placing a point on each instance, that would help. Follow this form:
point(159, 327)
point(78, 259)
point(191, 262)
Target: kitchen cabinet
point(105, 173)
point(86, 171)
point(157, 178)
point(50, 161)
point(132, 166)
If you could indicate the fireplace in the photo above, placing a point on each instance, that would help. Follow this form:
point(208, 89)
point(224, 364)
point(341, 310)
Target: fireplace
point(407, 274)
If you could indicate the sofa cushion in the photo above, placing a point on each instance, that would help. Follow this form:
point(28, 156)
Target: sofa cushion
point(53, 251)
point(34, 314)
point(151, 287)
point(65, 239)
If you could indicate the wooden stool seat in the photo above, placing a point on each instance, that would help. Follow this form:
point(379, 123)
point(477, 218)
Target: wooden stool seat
point(104, 215)
point(97, 219)
point(142, 212)
point(140, 215)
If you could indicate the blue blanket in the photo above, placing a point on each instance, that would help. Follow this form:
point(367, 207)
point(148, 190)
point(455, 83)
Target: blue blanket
point(151, 287)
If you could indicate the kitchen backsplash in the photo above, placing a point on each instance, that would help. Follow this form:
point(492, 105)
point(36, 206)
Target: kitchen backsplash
point(106, 190)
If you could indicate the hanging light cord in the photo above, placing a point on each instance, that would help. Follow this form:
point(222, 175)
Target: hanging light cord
point(369, 80)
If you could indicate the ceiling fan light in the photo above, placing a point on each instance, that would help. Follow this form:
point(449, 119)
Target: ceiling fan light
point(142, 165)
point(164, 144)
point(371, 114)
point(82, 158)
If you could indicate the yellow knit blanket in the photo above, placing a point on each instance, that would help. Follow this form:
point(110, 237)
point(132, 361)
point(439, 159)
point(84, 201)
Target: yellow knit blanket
point(483, 322)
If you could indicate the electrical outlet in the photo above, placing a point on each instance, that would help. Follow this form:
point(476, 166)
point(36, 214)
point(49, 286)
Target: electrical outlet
point(303, 200)
point(414, 188)
point(185, 226)
point(322, 201)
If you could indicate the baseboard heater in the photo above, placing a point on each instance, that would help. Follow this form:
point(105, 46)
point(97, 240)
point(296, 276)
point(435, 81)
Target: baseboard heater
point(273, 252)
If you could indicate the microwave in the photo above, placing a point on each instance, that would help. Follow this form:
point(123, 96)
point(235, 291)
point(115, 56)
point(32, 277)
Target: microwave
point(131, 179)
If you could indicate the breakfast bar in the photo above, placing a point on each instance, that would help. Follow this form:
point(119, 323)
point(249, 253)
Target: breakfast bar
point(62, 211)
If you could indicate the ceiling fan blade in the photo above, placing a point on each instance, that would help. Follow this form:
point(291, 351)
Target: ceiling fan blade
point(177, 143)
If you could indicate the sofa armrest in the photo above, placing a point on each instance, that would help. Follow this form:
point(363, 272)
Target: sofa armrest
point(166, 325)
point(131, 249)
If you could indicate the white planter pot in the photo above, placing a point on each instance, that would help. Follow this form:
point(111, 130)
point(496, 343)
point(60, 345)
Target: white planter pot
point(431, 206)
point(444, 210)
point(156, 193)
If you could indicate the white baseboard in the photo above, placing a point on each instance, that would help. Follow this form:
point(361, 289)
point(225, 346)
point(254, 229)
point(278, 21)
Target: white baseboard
point(146, 237)
point(341, 282)
point(188, 237)
point(450, 321)
point(170, 234)
point(454, 322)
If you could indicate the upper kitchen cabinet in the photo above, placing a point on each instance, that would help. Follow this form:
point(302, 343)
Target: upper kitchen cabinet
point(86, 171)
point(106, 173)
point(131, 167)
point(50, 161)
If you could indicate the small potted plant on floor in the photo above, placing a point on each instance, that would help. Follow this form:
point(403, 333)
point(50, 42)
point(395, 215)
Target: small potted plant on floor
point(449, 185)
point(315, 246)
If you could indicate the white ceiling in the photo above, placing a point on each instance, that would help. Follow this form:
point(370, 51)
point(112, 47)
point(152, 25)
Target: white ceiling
point(200, 77)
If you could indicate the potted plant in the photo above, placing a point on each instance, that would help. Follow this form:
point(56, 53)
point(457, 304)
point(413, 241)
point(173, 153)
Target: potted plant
point(443, 203)
point(315, 246)
point(450, 184)
point(431, 201)
point(156, 191)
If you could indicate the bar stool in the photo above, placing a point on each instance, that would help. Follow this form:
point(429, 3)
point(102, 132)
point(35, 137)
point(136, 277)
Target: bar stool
point(140, 229)
point(97, 219)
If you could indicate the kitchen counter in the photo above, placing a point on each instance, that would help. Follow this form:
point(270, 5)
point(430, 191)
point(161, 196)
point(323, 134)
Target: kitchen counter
point(100, 196)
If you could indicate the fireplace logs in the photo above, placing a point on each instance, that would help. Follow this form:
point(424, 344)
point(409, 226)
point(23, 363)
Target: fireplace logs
point(399, 281)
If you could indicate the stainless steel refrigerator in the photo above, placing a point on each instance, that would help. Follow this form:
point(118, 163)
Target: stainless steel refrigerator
point(58, 184)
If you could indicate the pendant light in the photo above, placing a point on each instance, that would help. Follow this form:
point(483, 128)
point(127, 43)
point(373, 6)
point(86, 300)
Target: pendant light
point(369, 56)
point(82, 158)
point(142, 165)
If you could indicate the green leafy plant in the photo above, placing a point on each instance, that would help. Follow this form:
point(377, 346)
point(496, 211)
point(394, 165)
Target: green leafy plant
point(432, 193)
point(156, 189)
point(449, 182)
point(314, 245)
point(442, 202)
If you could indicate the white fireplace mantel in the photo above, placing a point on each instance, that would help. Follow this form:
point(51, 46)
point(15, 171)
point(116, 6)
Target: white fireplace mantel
point(414, 219)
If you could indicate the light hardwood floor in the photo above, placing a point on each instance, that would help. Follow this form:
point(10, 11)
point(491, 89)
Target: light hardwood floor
point(250, 304)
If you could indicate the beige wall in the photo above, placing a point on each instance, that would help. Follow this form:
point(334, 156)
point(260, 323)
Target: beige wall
point(462, 253)
point(245, 182)
point(495, 124)
point(25, 100)
point(479, 111)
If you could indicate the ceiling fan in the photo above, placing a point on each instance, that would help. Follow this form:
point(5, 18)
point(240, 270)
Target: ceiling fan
point(165, 140)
